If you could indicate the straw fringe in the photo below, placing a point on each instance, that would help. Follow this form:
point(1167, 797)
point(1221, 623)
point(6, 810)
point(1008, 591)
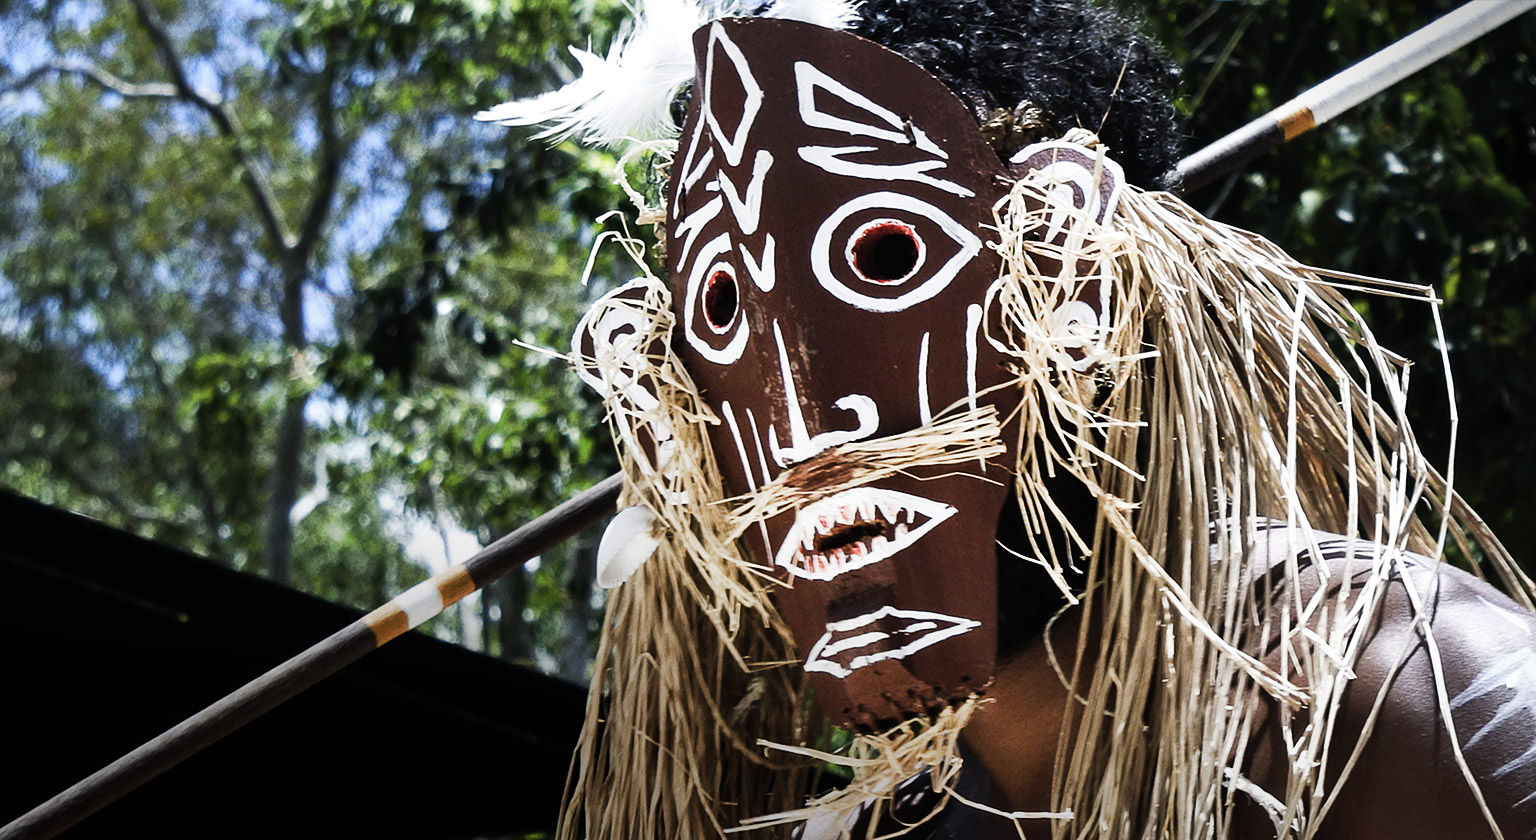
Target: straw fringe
point(693, 652)
point(1230, 393)
point(1229, 390)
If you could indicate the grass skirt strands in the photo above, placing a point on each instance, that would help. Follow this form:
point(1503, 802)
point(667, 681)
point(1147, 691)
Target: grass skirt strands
point(691, 667)
point(1229, 386)
point(1227, 392)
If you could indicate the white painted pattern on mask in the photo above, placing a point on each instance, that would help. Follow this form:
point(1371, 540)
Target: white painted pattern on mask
point(748, 211)
point(732, 143)
point(763, 272)
point(831, 159)
point(746, 466)
point(893, 129)
point(923, 629)
point(924, 412)
point(802, 446)
point(822, 249)
point(690, 228)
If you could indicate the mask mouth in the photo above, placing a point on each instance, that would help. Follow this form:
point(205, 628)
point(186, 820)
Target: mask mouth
point(886, 633)
point(855, 528)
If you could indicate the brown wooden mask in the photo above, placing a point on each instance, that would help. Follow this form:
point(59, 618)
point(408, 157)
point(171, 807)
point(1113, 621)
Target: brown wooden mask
point(825, 244)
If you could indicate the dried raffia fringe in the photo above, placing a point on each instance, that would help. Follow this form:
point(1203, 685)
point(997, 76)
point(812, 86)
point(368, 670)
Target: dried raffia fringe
point(1242, 383)
point(698, 594)
point(880, 762)
point(957, 438)
point(1244, 386)
point(692, 652)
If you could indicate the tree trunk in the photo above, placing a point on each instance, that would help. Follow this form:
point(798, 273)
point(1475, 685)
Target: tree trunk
point(575, 646)
point(516, 638)
point(283, 487)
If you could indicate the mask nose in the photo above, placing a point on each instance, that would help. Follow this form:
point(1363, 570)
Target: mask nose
point(802, 444)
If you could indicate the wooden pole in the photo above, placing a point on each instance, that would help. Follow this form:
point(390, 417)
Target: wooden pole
point(340, 649)
point(1345, 90)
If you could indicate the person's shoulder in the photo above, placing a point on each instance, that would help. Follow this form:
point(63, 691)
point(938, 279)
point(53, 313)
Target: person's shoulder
point(1450, 662)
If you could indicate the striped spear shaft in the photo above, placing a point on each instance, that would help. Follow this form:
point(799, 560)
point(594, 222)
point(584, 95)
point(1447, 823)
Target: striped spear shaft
point(408, 610)
point(1347, 89)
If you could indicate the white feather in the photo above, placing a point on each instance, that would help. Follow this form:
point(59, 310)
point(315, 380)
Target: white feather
point(832, 14)
point(629, 93)
point(628, 541)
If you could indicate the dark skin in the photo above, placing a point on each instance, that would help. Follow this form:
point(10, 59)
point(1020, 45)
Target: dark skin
point(1406, 783)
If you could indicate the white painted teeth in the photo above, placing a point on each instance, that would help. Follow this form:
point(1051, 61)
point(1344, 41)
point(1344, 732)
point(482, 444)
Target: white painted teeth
point(906, 518)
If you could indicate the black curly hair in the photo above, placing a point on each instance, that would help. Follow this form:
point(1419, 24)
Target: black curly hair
point(1081, 64)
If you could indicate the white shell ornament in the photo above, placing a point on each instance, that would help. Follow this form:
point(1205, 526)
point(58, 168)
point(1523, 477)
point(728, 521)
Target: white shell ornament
point(627, 543)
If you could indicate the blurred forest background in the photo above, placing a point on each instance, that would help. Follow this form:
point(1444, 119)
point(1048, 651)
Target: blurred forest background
point(264, 284)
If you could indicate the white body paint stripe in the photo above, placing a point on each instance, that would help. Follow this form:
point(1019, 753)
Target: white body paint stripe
point(1515, 671)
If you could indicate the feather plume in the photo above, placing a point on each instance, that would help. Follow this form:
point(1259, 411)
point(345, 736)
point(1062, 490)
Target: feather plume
point(628, 93)
point(832, 14)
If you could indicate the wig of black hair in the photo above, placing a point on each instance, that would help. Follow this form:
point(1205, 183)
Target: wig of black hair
point(1082, 65)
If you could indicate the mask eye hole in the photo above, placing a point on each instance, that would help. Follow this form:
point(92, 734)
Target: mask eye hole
point(886, 251)
point(721, 299)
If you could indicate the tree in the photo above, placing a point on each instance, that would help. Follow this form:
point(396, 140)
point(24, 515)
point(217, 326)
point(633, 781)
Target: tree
point(283, 271)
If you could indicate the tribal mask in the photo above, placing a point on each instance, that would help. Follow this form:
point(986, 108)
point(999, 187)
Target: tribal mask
point(826, 250)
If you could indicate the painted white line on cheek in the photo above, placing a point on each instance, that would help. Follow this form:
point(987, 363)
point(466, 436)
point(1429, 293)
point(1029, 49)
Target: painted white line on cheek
point(746, 467)
point(925, 412)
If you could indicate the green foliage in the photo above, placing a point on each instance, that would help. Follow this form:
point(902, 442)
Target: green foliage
point(312, 222)
point(1429, 183)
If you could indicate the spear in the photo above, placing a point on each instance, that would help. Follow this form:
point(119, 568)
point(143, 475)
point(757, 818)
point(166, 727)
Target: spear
point(420, 603)
point(255, 698)
point(1346, 89)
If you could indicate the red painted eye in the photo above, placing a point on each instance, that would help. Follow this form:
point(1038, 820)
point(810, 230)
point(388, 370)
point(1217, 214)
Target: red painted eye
point(721, 299)
point(886, 252)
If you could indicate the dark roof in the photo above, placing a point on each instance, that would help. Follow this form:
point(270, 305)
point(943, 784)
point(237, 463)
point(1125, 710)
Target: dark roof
point(107, 640)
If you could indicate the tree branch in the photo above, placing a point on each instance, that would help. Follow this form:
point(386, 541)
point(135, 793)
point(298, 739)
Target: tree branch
point(96, 75)
point(253, 174)
point(327, 167)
